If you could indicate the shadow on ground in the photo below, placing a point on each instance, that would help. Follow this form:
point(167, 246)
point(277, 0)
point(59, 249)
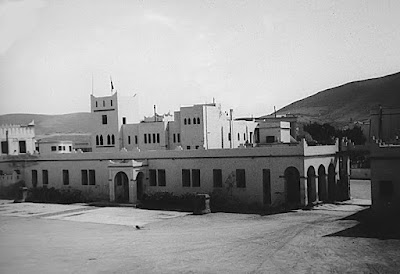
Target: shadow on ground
point(370, 226)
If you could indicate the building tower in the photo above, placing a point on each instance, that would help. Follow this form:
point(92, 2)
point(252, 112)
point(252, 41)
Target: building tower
point(109, 114)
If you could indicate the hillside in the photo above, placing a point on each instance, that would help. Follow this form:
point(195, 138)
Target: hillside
point(74, 123)
point(350, 101)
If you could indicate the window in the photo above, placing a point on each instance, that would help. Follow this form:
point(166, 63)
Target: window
point(217, 177)
point(196, 177)
point(113, 139)
point(184, 121)
point(108, 139)
point(251, 137)
point(194, 121)
point(70, 148)
point(197, 147)
point(179, 137)
point(101, 140)
point(92, 177)
point(186, 177)
point(158, 138)
point(145, 138)
point(154, 138)
point(270, 139)
point(111, 105)
point(174, 138)
point(53, 148)
point(129, 140)
point(59, 148)
point(238, 136)
point(22, 146)
point(198, 120)
point(244, 136)
point(104, 103)
point(104, 119)
point(153, 179)
point(240, 178)
point(188, 121)
point(161, 177)
point(65, 177)
point(188, 147)
point(386, 189)
point(96, 104)
point(123, 120)
point(84, 176)
point(149, 137)
point(34, 178)
point(136, 139)
point(229, 136)
point(45, 177)
point(64, 148)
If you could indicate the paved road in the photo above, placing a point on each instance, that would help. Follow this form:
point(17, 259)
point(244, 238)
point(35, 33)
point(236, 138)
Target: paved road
point(76, 239)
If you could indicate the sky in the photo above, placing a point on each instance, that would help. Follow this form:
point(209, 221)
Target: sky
point(248, 55)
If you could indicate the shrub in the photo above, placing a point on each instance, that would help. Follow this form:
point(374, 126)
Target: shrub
point(52, 195)
point(12, 191)
point(167, 200)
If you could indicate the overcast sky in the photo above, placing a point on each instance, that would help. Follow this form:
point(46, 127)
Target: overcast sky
point(249, 55)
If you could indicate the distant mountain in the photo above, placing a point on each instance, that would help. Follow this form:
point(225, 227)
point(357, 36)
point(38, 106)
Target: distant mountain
point(64, 124)
point(352, 101)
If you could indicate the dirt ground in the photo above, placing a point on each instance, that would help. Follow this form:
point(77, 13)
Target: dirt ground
point(39, 238)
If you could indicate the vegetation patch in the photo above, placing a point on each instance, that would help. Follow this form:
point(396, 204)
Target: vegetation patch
point(13, 191)
point(52, 195)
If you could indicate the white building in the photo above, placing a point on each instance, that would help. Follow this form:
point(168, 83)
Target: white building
point(17, 139)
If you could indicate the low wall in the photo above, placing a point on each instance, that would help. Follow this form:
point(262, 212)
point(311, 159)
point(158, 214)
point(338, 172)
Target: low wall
point(360, 173)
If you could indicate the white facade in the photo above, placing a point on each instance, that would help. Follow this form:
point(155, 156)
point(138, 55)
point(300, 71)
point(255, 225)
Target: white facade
point(16, 139)
point(47, 147)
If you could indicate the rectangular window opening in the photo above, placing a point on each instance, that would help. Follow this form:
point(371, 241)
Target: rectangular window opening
point(84, 176)
point(153, 178)
point(92, 177)
point(65, 177)
point(45, 177)
point(217, 177)
point(196, 177)
point(240, 178)
point(161, 177)
point(186, 177)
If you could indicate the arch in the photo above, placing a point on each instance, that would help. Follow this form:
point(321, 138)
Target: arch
point(194, 121)
point(311, 186)
point(322, 187)
point(292, 183)
point(184, 121)
point(97, 140)
point(101, 140)
point(108, 139)
point(198, 120)
point(113, 139)
point(139, 185)
point(331, 182)
point(121, 187)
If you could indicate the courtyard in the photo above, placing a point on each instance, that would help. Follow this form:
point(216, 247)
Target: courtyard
point(46, 238)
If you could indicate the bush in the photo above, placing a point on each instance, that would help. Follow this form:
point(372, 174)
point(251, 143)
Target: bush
point(167, 200)
point(221, 202)
point(13, 191)
point(52, 195)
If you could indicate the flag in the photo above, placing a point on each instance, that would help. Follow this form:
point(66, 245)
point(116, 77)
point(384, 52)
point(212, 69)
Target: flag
point(112, 86)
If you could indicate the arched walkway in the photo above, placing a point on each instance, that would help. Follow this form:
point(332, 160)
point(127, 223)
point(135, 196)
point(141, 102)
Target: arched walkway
point(121, 185)
point(322, 187)
point(311, 186)
point(292, 181)
point(331, 182)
